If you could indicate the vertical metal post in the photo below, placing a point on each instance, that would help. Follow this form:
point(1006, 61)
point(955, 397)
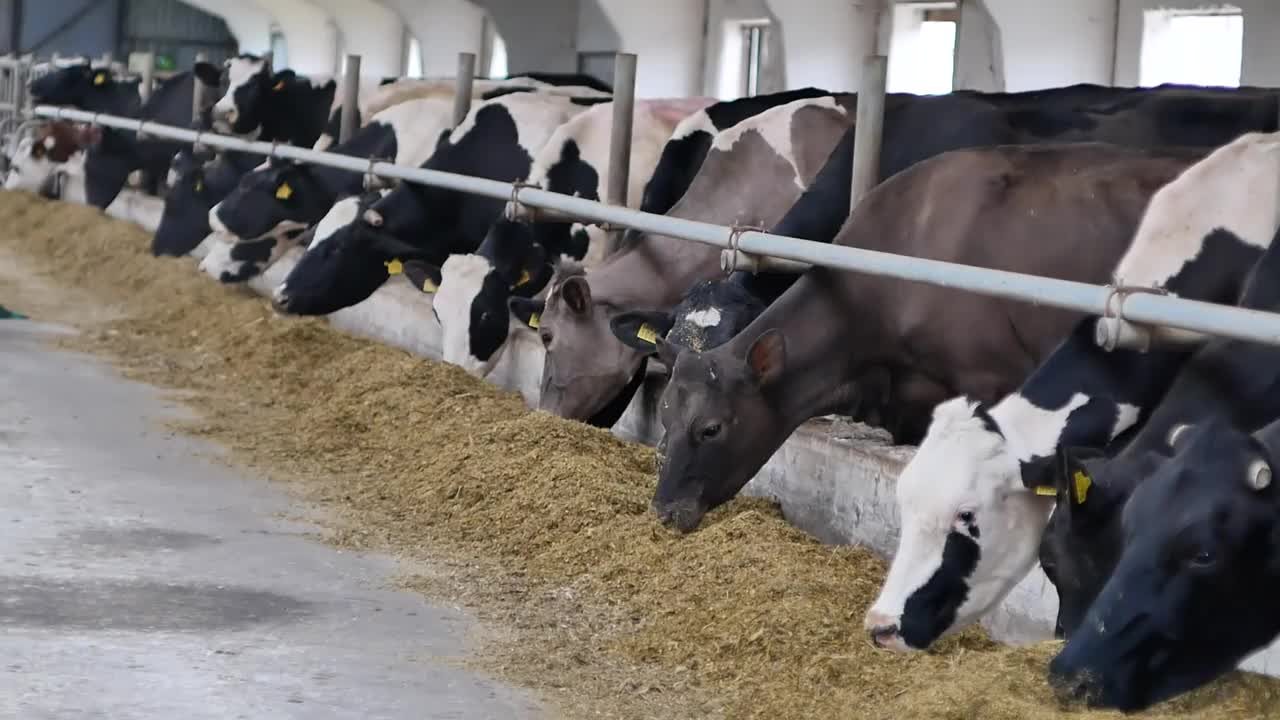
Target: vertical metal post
point(870, 116)
point(624, 104)
point(197, 91)
point(350, 99)
point(462, 99)
point(148, 75)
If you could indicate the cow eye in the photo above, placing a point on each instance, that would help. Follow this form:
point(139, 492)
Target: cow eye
point(546, 339)
point(710, 431)
point(1202, 559)
point(965, 517)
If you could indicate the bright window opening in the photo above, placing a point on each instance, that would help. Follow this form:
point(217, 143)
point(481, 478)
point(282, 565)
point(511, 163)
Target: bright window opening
point(744, 56)
point(754, 37)
point(498, 60)
point(1192, 47)
point(413, 58)
point(923, 47)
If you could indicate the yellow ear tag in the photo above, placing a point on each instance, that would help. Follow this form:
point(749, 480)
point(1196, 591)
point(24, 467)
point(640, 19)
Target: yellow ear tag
point(1082, 483)
point(199, 185)
point(647, 334)
point(1048, 490)
point(428, 286)
point(394, 267)
point(284, 192)
point(279, 86)
point(524, 278)
point(533, 320)
point(100, 79)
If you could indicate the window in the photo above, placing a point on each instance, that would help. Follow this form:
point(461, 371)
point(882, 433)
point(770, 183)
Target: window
point(412, 56)
point(922, 48)
point(498, 61)
point(1192, 47)
point(279, 51)
point(754, 37)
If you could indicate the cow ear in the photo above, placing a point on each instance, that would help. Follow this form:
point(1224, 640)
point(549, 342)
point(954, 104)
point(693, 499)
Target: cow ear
point(527, 310)
point(577, 294)
point(422, 275)
point(767, 357)
point(641, 330)
point(208, 73)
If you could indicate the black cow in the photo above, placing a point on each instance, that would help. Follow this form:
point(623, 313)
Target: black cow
point(1233, 379)
point(90, 89)
point(200, 181)
point(1197, 583)
point(279, 106)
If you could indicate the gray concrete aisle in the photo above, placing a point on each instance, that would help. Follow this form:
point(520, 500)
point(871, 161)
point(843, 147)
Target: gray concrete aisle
point(138, 580)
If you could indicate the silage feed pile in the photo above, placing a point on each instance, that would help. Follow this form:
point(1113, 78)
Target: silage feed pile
point(544, 522)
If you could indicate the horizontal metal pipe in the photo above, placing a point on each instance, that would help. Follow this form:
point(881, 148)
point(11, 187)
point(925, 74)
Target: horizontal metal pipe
point(1194, 315)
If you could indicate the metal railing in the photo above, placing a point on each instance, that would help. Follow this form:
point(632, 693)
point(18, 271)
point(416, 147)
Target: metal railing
point(1145, 308)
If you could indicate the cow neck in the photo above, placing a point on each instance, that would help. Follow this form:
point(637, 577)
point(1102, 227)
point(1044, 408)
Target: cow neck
point(301, 112)
point(823, 358)
point(654, 273)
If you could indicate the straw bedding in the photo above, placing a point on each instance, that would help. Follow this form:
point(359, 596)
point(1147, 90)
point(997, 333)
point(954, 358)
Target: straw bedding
point(537, 524)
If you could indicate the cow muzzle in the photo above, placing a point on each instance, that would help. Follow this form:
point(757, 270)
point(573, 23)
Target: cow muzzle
point(681, 515)
point(884, 631)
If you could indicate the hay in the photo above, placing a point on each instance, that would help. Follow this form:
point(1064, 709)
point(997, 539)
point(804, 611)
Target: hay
point(542, 523)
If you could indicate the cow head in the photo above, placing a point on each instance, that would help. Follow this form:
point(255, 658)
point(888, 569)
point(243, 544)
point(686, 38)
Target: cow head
point(471, 293)
point(578, 384)
point(185, 220)
point(282, 194)
point(82, 86)
point(249, 85)
point(1198, 580)
point(39, 156)
point(970, 530)
point(350, 256)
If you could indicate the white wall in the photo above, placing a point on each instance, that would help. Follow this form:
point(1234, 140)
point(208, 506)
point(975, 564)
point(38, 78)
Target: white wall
point(825, 41)
point(723, 58)
point(369, 30)
point(443, 28)
point(979, 62)
point(309, 31)
point(1049, 43)
point(667, 37)
point(1261, 56)
point(539, 35)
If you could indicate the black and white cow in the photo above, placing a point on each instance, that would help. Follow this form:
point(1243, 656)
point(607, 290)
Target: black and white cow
point(574, 161)
point(1196, 585)
point(1232, 379)
point(498, 140)
point(272, 205)
point(279, 106)
point(201, 179)
point(977, 466)
point(89, 88)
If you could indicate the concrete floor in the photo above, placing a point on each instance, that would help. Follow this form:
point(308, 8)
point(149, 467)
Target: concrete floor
point(138, 580)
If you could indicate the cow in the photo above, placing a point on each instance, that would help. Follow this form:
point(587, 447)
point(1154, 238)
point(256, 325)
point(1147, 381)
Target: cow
point(39, 156)
point(497, 140)
point(754, 171)
point(470, 291)
point(1016, 208)
point(272, 205)
point(88, 88)
point(978, 462)
point(1232, 379)
point(259, 103)
point(200, 181)
point(1195, 589)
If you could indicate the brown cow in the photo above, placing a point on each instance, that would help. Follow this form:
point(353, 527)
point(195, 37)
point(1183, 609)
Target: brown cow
point(39, 157)
point(1063, 211)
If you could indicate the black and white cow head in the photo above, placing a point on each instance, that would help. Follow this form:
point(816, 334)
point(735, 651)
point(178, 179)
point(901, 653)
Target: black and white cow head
point(709, 315)
point(278, 197)
point(964, 543)
point(1198, 581)
point(350, 256)
point(471, 292)
point(249, 81)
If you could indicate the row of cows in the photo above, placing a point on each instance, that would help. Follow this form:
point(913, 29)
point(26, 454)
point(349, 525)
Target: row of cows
point(1141, 481)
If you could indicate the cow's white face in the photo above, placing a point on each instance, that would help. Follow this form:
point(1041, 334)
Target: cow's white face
point(240, 72)
point(30, 168)
point(970, 532)
point(475, 331)
point(342, 214)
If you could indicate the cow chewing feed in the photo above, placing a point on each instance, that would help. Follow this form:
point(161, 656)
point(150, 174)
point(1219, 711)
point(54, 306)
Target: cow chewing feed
point(200, 181)
point(498, 140)
point(1231, 379)
point(754, 171)
point(1199, 237)
point(1188, 599)
point(725, 411)
point(574, 161)
point(276, 200)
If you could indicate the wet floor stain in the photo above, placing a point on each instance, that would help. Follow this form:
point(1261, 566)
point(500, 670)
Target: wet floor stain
point(137, 539)
point(140, 605)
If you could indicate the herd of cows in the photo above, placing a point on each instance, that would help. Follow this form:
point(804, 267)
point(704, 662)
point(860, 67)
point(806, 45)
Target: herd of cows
point(1140, 481)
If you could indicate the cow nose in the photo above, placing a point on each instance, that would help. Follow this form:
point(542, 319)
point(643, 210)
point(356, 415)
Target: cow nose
point(280, 300)
point(883, 629)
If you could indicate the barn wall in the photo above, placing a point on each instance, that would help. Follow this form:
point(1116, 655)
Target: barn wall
point(175, 31)
point(539, 35)
point(443, 29)
point(824, 42)
point(979, 62)
point(667, 36)
point(310, 33)
point(79, 27)
point(369, 30)
point(723, 50)
point(1045, 43)
point(1261, 61)
point(247, 21)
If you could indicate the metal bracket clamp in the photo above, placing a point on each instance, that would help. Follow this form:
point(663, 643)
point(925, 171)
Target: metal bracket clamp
point(1114, 332)
point(512, 212)
point(372, 181)
point(734, 258)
